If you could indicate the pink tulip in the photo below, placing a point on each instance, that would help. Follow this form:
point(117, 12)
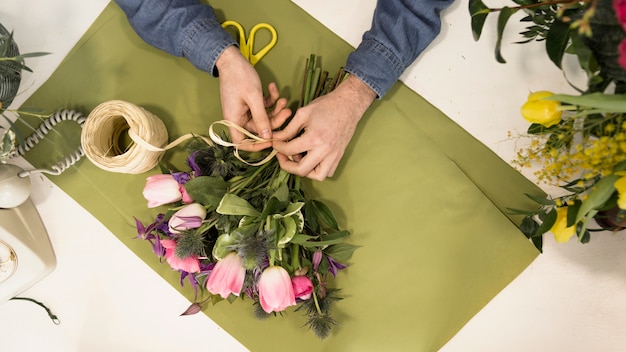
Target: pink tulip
point(190, 264)
point(620, 11)
point(185, 196)
point(161, 189)
point(275, 290)
point(302, 287)
point(227, 276)
point(188, 217)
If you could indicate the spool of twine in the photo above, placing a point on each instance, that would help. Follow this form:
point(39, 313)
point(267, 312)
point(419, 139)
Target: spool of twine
point(106, 125)
point(103, 131)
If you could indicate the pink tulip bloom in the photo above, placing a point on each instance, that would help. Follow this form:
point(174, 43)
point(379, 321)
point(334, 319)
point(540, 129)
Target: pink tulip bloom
point(161, 189)
point(185, 196)
point(227, 276)
point(188, 217)
point(620, 11)
point(275, 290)
point(302, 287)
point(189, 264)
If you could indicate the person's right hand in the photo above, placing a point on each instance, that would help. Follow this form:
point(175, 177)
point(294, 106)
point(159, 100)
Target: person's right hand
point(242, 99)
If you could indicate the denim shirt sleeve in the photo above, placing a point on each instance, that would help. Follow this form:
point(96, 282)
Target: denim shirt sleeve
point(400, 31)
point(184, 28)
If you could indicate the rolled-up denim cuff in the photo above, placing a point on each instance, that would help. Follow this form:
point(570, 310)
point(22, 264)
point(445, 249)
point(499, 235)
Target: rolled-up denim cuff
point(375, 65)
point(204, 44)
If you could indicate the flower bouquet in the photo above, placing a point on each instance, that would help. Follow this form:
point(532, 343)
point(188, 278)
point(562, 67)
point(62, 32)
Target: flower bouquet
point(236, 228)
point(579, 141)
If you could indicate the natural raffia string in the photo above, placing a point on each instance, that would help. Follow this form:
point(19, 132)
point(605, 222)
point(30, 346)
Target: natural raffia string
point(106, 124)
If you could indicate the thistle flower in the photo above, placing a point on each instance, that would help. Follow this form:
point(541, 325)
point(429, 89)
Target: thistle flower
point(189, 264)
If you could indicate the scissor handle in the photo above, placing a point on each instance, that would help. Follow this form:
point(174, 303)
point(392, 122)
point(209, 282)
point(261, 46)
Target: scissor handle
point(255, 57)
point(243, 44)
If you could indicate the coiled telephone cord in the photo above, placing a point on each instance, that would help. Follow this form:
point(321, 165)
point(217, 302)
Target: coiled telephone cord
point(41, 132)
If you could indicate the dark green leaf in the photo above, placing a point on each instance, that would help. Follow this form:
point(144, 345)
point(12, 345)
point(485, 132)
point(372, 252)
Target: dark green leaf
point(538, 242)
point(503, 18)
point(528, 226)
point(540, 200)
point(556, 41)
point(341, 252)
point(478, 11)
point(325, 214)
point(572, 211)
point(548, 221)
point(234, 205)
point(207, 190)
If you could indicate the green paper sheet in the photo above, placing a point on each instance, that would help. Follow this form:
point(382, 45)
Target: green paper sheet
point(423, 199)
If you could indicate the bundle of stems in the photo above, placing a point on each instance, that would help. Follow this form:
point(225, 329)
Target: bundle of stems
point(317, 82)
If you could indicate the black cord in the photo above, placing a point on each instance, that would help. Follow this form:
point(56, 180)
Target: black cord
point(53, 317)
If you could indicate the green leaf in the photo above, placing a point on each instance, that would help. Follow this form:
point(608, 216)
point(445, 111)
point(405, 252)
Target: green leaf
point(503, 18)
point(556, 41)
point(273, 206)
point(538, 242)
point(598, 195)
point(302, 239)
point(572, 212)
point(548, 221)
point(528, 226)
point(328, 240)
point(582, 52)
point(207, 190)
point(608, 102)
point(540, 200)
point(341, 252)
point(234, 205)
point(220, 249)
point(536, 128)
point(290, 231)
point(290, 210)
point(325, 214)
point(478, 11)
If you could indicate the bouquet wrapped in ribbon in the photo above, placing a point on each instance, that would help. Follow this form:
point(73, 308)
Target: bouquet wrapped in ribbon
point(241, 229)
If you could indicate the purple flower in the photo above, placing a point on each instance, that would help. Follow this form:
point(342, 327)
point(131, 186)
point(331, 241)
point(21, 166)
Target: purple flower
point(334, 265)
point(191, 161)
point(317, 259)
point(188, 217)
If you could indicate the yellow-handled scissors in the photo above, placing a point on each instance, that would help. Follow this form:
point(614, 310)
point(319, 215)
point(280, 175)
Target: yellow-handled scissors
point(246, 46)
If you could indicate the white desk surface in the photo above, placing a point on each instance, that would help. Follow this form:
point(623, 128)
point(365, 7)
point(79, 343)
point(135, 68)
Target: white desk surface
point(571, 298)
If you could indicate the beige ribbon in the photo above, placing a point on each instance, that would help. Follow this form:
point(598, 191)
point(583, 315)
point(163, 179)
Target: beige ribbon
point(106, 124)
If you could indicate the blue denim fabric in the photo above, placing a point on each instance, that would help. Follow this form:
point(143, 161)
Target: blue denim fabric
point(401, 30)
point(184, 28)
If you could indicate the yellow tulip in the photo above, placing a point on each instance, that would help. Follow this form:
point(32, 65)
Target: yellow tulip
point(543, 112)
point(620, 186)
point(561, 232)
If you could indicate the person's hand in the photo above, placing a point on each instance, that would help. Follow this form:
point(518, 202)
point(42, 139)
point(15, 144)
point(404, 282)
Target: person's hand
point(328, 123)
point(242, 99)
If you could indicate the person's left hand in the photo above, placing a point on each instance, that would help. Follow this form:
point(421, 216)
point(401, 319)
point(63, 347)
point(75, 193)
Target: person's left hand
point(243, 102)
point(328, 123)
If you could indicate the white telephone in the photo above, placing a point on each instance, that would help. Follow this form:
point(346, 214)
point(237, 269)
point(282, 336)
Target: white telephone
point(26, 254)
